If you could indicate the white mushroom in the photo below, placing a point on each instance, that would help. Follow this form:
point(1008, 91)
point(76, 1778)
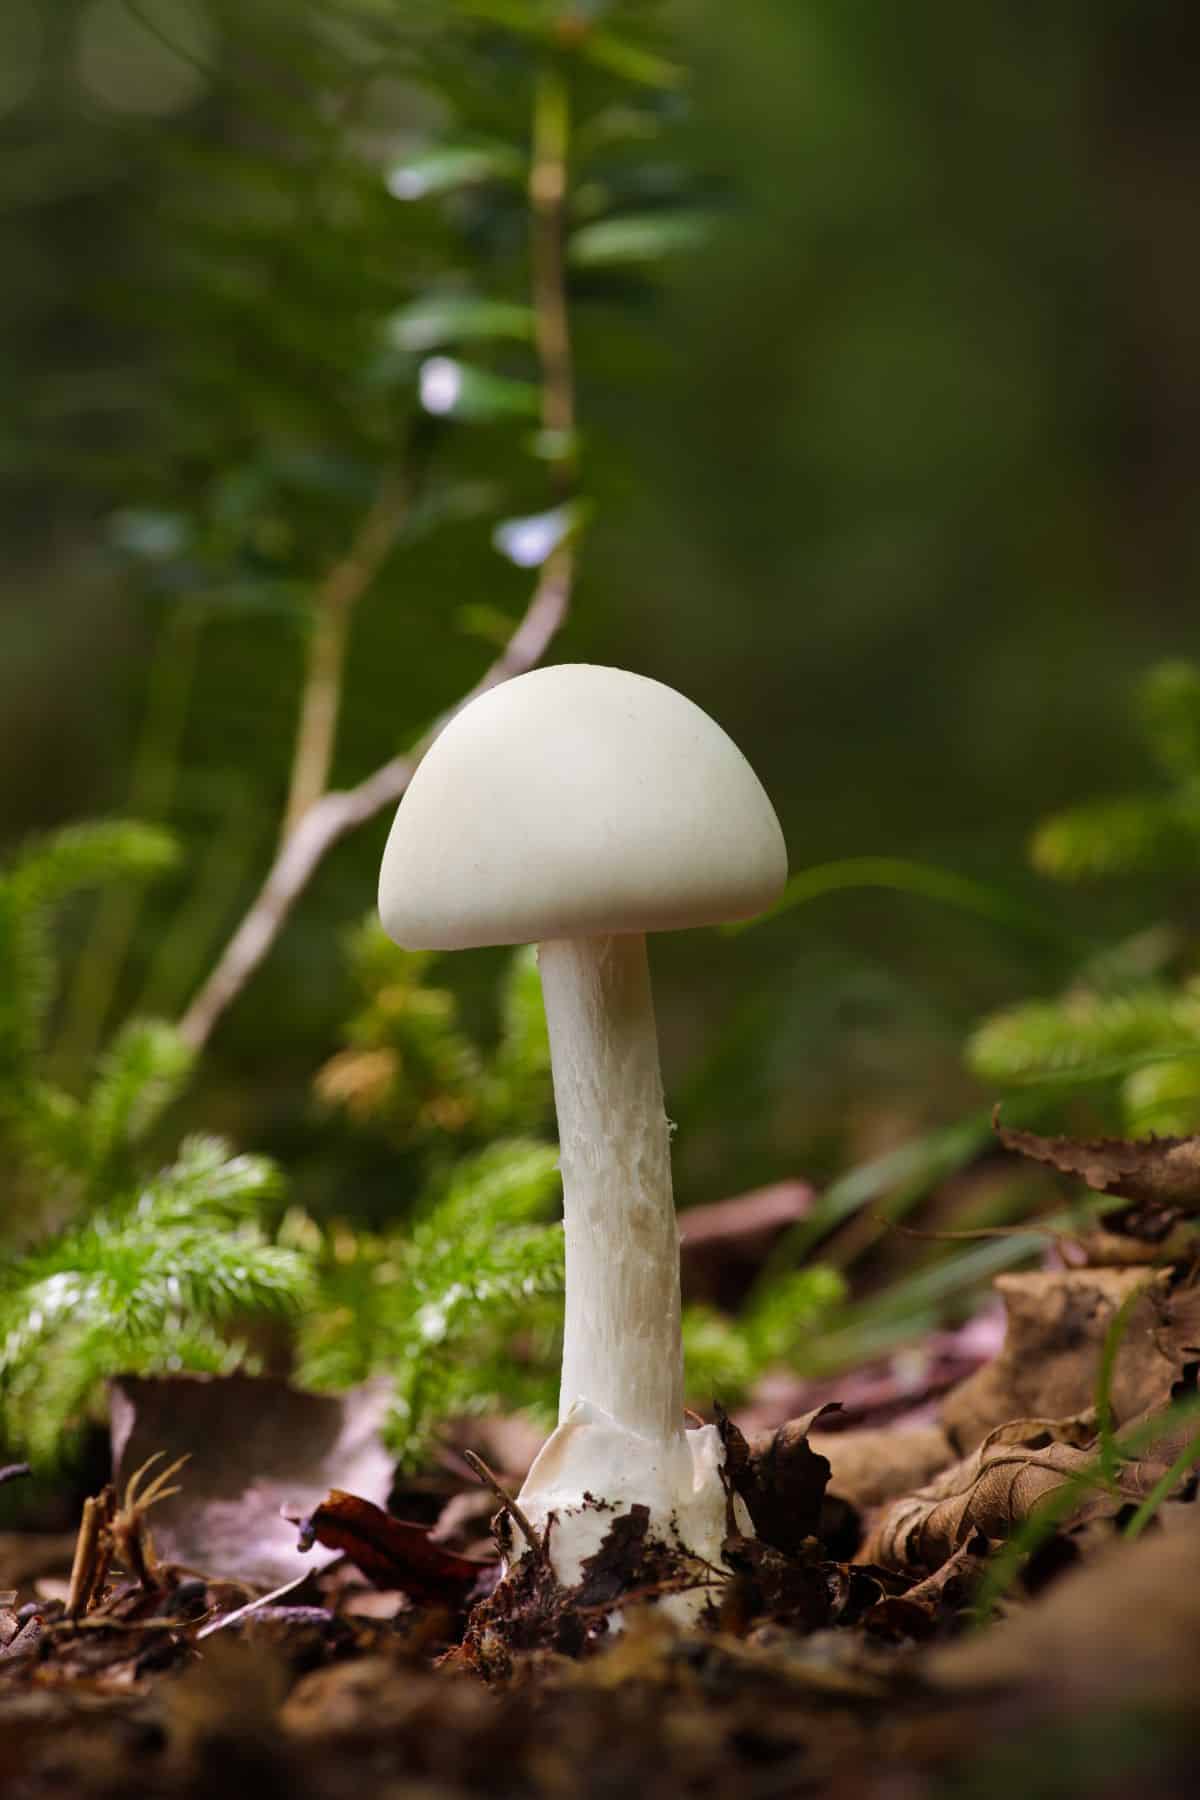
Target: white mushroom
point(578, 808)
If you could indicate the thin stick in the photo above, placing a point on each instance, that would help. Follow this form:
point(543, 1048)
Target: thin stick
point(14, 1472)
point(90, 1562)
point(507, 1502)
point(548, 179)
point(336, 814)
point(253, 1605)
point(332, 606)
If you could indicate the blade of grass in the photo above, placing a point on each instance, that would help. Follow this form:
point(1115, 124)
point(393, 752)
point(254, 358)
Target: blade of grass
point(1002, 1569)
point(1162, 1487)
point(1114, 1337)
point(899, 876)
point(919, 1165)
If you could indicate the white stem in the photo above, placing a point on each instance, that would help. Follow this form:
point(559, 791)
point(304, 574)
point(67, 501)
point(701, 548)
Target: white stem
point(622, 1349)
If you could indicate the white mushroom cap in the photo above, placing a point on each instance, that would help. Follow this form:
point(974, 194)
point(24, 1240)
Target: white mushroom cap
point(578, 801)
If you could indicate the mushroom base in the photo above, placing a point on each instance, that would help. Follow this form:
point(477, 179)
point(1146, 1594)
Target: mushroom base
point(591, 1468)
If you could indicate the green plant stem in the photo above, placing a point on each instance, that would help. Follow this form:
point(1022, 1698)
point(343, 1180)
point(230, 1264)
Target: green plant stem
point(332, 608)
point(548, 185)
point(897, 875)
point(1114, 1337)
point(1162, 1487)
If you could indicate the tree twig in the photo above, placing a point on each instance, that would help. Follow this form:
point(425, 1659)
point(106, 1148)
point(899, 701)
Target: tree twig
point(335, 814)
point(332, 607)
point(536, 1544)
point(548, 175)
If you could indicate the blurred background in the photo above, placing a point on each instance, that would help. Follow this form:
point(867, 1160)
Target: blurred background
point(847, 354)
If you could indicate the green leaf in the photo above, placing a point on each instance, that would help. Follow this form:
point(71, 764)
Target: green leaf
point(1163, 1097)
point(718, 1360)
point(1135, 834)
point(139, 1077)
point(914, 1167)
point(438, 319)
point(637, 238)
point(80, 856)
point(452, 166)
point(631, 61)
point(1081, 1031)
point(899, 876)
point(1168, 704)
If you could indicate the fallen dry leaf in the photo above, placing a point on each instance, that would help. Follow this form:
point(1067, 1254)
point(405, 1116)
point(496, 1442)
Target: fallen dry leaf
point(996, 1488)
point(1057, 1322)
point(254, 1447)
point(1123, 1627)
point(917, 1613)
point(870, 1467)
point(1158, 1171)
point(392, 1553)
point(781, 1478)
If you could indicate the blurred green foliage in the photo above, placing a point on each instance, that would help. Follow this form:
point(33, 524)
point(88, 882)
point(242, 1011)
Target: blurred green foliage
point(1130, 1021)
point(111, 1268)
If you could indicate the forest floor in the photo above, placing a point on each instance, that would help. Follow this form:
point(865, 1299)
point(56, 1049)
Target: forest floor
point(984, 1587)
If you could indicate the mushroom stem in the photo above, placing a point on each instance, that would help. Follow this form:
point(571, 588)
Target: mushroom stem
point(622, 1349)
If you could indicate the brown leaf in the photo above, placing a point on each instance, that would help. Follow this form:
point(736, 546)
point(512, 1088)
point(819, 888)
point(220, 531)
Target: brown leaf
point(1057, 1321)
point(917, 1613)
point(255, 1446)
point(870, 1467)
point(391, 1553)
point(1158, 1170)
point(1122, 1629)
point(781, 1478)
point(990, 1492)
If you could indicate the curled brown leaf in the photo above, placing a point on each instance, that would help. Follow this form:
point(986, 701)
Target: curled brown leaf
point(995, 1489)
point(1163, 1171)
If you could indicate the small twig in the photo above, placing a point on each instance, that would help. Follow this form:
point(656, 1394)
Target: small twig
point(548, 182)
point(93, 1553)
point(981, 1231)
point(14, 1472)
point(137, 1500)
point(253, 1605)
point(128, 1531)
point(336, 814)
point(536, 1544)
point(106, 1622)
point(332, 606)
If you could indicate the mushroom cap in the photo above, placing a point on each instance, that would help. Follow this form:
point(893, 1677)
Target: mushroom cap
point(577, 801)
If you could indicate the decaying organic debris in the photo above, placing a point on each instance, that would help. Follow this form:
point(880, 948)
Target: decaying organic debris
point(830, 1657)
